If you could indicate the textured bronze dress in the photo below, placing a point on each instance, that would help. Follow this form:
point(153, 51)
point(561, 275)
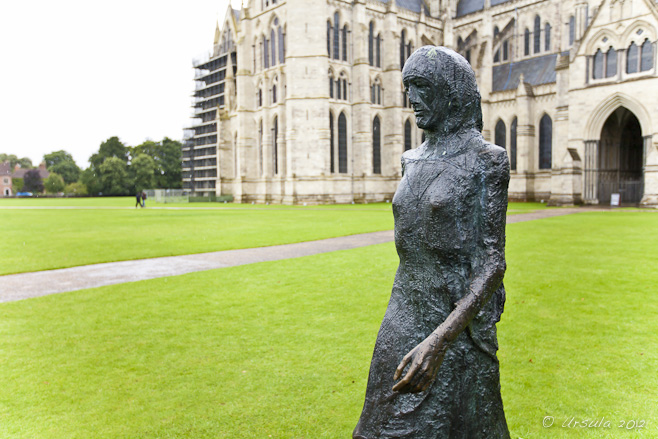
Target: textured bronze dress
point(448, 212)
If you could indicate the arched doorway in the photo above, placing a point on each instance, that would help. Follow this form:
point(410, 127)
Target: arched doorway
point(620, 158)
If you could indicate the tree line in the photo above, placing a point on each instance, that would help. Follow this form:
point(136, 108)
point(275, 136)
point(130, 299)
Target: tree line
point(116, 169)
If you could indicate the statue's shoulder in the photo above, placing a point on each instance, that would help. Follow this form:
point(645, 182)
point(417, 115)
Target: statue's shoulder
point(412, 154)
point(492, 156)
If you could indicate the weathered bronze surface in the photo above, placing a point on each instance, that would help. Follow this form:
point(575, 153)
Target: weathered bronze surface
point(434, 373)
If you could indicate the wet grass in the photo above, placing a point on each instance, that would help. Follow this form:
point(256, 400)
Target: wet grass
point(281, 349)
point(47, 233)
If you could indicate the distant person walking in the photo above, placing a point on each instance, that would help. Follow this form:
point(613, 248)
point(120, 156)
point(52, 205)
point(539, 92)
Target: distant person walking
point(143, 199)
point(138, 197)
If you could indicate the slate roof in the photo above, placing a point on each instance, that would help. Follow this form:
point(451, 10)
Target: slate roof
point(5, 169)
point(20, 173)
point(411, 5)
point(536, 71)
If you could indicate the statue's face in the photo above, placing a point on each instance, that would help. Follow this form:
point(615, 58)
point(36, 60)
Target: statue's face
point(426, 99)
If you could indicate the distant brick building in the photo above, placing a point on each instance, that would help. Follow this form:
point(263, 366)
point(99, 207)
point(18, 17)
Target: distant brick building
point(5, 180)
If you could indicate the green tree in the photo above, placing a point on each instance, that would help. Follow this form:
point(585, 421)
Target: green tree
point(113, 174)
point(62, 163)
point(167, 156)
point(17, 184)
point(91, 179)
point(76, 188)
point(32, 181)
point(112, 147)
point(25, 162)
point(142, 170)
point(54, 184)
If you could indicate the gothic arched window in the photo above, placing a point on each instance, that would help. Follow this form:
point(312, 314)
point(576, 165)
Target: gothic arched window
point(545, 142)
point(572, 30)
point(272, 42)
point(526, 42)
point(537, 35)
point(371, 43)
point(282, 46)
point(610, 63)
point(632, 58)
point(344, 43)
point(331, 84)
point(407, 135)
point(275, 146)
point(403, 35)
point(547, 37)
point(336, 36)
point(342, 143)
point(500, 134)
point(512, 145)
point(331, 142)
point(646, 62)
point(376, 146)
point(597, 71)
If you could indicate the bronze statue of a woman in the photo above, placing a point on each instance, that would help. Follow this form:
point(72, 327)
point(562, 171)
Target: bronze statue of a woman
point(434, 373)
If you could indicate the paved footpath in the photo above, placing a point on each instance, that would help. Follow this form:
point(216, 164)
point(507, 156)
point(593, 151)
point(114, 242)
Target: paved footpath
point(27, 285)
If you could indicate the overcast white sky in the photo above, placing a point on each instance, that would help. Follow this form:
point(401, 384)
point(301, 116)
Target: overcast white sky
point(75, 72)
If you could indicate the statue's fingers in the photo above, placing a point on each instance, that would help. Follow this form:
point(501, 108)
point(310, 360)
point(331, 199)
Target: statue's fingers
point(401, 366)
point(404, 382)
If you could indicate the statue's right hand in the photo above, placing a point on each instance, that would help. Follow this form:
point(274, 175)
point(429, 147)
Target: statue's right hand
point(423, 361)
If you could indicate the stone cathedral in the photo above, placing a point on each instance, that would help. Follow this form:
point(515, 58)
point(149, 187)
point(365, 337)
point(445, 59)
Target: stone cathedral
point(301, 101)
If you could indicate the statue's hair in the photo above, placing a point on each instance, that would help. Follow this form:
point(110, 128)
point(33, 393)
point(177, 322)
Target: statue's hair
point(452, 71)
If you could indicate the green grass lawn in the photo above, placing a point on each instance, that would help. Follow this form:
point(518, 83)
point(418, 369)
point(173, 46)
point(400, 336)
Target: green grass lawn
point(39, 234)
point(282, 349)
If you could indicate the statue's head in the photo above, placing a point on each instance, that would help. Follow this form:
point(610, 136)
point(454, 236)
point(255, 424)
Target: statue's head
point(442, 90)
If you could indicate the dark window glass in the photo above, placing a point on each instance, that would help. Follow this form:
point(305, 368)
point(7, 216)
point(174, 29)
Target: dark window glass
point(512, 145)
point(376, 147)
point(371, 42)
point(468, 56)
point(597, 71)
point(379, 51)
point(545, 142)
point(402, 48)
point(260, 97)
point(632, 57)
point(273, 42)
point(572, 29)
point(331, 142)
point(336, 37)
point(344, 89)
point(274, 94)
point(338, 93)
point(345, 43)
point(282, 55)
point(496, 31)
point(646, 62)
point(526, 42)
point(275, 146)
point(500, 134)
point(407, 135)
point(505, 50)
point(537, 35)
point(331, 87)
point(372, 93)
point(497, 56)
point(329, 38)
point(547, 37)
point(260, 147)
point(422, 137)
point(611, 63)
point(266, 54)
point(379, 94)
point(342, 143)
